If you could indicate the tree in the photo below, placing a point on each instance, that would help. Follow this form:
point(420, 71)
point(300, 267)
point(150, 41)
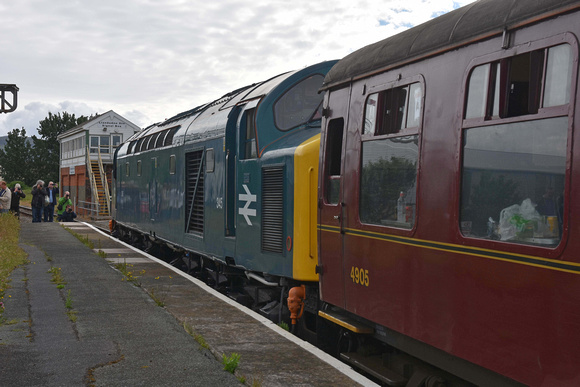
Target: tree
point(46, 152)
point(15, 160)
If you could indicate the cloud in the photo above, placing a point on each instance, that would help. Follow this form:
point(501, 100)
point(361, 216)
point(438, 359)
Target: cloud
point(150, 60)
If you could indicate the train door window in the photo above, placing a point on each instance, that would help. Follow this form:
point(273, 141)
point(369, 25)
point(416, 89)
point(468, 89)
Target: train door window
point(249, 135)
point(172, 165)
point(389, 180)
point(209, 160)
point(333, 154)
point(139, 168)
point(389, 163)
point(127, 169)
point(514, 172)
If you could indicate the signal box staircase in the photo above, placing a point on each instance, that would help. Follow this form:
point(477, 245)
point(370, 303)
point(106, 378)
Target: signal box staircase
point(99, 187)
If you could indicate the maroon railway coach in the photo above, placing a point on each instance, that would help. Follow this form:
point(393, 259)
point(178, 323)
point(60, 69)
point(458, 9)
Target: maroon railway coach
point(449, 220)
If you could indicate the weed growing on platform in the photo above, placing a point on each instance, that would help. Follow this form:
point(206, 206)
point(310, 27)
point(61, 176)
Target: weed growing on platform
point(159, 299)
point(11, 256)
point(68, 302)
point(159, 292)
point(84, 239)
point(284, 326)
point(125, 269)
point(197, 337)
point(102, 254)
point(231, 363)
point(57, 277)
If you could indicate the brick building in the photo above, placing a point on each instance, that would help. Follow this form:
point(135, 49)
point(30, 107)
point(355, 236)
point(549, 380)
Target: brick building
point(86, 161)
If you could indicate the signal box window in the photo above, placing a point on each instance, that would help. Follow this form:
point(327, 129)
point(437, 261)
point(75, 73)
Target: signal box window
point(514, 173)
point(333, 156)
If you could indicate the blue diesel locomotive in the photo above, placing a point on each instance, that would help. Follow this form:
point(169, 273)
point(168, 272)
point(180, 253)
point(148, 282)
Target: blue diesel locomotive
point(229, 190)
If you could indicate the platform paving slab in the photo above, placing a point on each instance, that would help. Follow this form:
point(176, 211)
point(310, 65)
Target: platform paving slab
point(120, 338)
point(132, 340)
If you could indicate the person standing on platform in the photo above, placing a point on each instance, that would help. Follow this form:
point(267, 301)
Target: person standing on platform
point(17, 194)
point(37, 203)
point(5, 198)
point(52, 193)
point(63, 203)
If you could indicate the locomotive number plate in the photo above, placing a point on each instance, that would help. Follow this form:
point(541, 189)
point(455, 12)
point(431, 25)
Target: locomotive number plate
point(359, 276)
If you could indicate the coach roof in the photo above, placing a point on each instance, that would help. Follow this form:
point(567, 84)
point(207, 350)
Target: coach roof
point(477, 21)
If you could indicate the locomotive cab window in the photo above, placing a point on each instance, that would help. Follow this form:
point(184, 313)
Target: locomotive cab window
point(300, 104)
point(514, 172)
point(390, 153)
point(248, 135)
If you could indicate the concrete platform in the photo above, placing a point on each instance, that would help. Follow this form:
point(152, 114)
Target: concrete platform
point(122, 336)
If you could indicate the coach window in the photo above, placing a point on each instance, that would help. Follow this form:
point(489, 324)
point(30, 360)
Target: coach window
point(389, 159)
point(138, 167)
point(514, 172)
point(558, 76)
point(127, 169)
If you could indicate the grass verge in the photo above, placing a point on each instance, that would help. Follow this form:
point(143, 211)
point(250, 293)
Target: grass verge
point(11, 256)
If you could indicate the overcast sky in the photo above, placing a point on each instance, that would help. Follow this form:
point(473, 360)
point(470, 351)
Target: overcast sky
point(149, 60)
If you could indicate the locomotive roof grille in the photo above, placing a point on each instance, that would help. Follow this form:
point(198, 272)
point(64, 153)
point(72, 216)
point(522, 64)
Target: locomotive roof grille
point(479, 20)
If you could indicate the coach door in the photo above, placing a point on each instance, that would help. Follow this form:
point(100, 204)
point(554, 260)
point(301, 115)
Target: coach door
point(331, 219)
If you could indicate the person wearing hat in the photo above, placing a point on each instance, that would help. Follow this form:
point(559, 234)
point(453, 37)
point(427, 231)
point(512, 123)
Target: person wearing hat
point(17, 194)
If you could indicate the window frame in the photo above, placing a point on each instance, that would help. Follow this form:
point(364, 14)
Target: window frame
point(404, 132)
point(543, 112)
point(566, 110)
